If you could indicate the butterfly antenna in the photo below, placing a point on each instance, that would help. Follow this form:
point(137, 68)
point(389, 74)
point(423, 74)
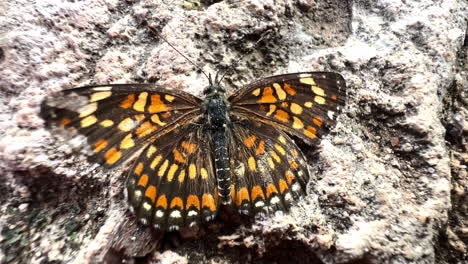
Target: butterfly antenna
point(210, 80)
point(216, 78)
point(231, 67)
point(180, 53)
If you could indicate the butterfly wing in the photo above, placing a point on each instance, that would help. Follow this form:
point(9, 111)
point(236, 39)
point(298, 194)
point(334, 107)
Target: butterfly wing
point(302, 104)
point(268, 169)
point(172, 184)
point(119, 120)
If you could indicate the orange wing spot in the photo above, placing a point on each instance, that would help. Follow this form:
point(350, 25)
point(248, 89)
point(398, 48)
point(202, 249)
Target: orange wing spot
point(181, 177)
point(293, 164)
point(242, 195)
point(280, 149)
point(106, 123)
point(99, 96)
point(162, 201)
point(252, 164)
point(288, 89)
point(256, 92)
point(141, 102)
point(190, 147)
point(282, 116)
point(138, 168)
point(284, 104)
point(260, 148)
point(88, 109)
point(172, 171)
point(127, 142)
point(271, 163)
point(166, 115)
point(319, 99)
point(333, 97)
point(318, 91)
point(65, 121)
point(289, 176)
point(192, 171)
point(151, 193)
point(208, 201)
point(139, 117)
point(257, 191)
point(127, 124)
point(128, 102)
point(267, 96)
point(275, 156)
point(295, 153)
point(157, 105)
point(177, 201)
point(283, 185)
point(155, 162)
point(145, 129)
point(296, 109)
point(317, 120)
point(151, 151)
point(178, 156)
point(87, 121)
point(143, 180)
point(297, 123)
point(203, 173)
point(192, 200)
point(282, 139)
point(279, 91)
point(169, 98)
point(310, 132)
point(156, 120)
point(100, 145)
point(163, 168)
point(272, 110)
point(112, 156)
point(309, 81)
point(250, 141)
point(271, 189)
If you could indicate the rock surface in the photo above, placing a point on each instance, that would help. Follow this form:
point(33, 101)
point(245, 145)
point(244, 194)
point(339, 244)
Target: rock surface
point(389, 184)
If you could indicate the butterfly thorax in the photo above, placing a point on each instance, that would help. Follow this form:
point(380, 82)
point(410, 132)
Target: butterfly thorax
point(216, 107)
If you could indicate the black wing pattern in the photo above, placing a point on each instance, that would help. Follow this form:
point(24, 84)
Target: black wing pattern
point(302, 104)
point(119, 120)
point(173, 184)
point(268, 170)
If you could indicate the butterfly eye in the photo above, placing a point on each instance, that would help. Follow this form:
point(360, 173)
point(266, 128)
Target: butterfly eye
point(208, 90)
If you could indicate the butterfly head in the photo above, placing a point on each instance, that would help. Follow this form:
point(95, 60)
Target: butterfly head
point(214, 89)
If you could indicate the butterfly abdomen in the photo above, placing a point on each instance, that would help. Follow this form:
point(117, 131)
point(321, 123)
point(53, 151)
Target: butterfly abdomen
point(218, 121)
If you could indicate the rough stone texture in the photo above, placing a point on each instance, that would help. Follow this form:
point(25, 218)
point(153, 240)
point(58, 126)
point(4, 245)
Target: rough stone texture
point(389, 184)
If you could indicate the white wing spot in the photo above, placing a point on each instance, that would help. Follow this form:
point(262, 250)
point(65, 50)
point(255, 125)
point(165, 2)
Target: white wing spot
point(159, 213)
point(175, 214)
point(274, 200)
point(259, 204)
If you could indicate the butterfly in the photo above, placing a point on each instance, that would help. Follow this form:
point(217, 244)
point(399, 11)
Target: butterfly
point(193, 156)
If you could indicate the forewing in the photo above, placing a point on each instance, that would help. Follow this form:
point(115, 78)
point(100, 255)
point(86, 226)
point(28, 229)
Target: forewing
point(268, 170)
point(119, 120)
point(173, 184)
point(303, 104)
